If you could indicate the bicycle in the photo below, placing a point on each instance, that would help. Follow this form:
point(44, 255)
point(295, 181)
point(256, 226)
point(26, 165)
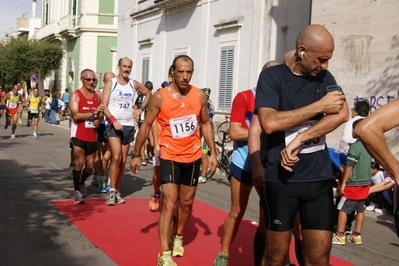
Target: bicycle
point(223, 127)
point(223, 155)
point(67, 113)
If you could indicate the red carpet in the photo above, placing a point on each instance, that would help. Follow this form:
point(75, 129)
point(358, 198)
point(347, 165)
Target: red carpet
point(128, 233)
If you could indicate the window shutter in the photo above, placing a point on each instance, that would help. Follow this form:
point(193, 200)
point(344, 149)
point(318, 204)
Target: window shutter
point(226, 77)
point(145, 70)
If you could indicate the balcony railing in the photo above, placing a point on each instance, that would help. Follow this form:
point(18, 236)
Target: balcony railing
point(67, 23)
point(49, 30)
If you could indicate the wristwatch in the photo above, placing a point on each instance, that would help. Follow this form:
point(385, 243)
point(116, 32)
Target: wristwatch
point(142, 108)
point(134, 155)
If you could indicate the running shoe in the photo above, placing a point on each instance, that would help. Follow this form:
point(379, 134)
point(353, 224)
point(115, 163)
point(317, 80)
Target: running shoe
point(77, 197)
point(103, 186)
point(354, 239)
point(19, 121)
point(201, 179)
point(119, 198)
point(154, 202)
point(95, 180)
point(35, 136)
point(143, 162)
point(177, 248)
point(111, 200)
point(221, 260)
point(12, 136)
point(378, 210)
point(338, 240)
point(5, 126)
point(165, 259)
point(371, 207)
point(82, 189)
point(108, 184)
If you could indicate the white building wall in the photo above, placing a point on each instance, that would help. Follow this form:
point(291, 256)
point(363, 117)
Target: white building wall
point(365, 59)
point(258, 38)
point(125, 32)
point(88, 51)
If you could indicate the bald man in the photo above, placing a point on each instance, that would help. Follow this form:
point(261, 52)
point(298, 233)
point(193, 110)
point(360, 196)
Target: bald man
point(296, 112)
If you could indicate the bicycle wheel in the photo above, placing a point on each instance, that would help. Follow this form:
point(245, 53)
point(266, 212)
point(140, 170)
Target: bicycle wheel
point(227, 163)
point(224, 126)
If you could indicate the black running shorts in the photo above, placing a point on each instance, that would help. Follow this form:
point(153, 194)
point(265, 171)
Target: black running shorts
point(33, 116)
point(180, 173)
point(88, 147)
point(314, 201)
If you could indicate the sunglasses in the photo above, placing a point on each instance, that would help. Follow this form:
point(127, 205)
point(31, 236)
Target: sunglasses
point(93, 80)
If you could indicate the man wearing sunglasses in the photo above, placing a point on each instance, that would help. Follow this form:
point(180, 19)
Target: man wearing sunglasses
point(85, 109)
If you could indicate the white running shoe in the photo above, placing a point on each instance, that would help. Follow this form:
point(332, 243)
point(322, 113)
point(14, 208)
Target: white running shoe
point(201, 179)
point(77, 197)
point(378, 210)
point(12, 136)
point(371, 207)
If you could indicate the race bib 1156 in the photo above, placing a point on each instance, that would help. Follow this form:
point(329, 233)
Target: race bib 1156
point(183, 126)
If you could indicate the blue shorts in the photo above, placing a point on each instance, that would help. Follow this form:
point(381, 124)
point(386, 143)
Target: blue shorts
point(126, 135)
point(243, 176)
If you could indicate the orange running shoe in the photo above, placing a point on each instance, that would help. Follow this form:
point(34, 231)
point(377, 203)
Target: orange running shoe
point(154, 202)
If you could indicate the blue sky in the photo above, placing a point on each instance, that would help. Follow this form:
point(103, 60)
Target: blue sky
point(11, 10)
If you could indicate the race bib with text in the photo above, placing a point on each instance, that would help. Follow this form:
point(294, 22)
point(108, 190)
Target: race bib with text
point(183, 126)
point(311, 146)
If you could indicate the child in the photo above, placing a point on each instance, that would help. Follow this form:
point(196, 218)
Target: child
point(354, 190)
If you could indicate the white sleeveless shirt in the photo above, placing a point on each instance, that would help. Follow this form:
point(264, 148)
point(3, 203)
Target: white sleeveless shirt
point(121, 102)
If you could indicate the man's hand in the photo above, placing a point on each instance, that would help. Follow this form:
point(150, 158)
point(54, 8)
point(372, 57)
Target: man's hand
point(340, 189)
point(117, 125)
point(258, 176)
point(156, 150)
point(332, 102)
point(135, 165)
point(137, 113)
point(100, 108)
point(212, 163)
point(289, 155)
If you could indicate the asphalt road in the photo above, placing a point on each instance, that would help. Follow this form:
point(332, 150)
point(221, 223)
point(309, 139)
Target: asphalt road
point(34, 232)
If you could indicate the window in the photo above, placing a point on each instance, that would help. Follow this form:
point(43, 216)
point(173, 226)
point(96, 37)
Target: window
point(46, 14)
point(145, 70)
point(226, 77)
point(74, 13)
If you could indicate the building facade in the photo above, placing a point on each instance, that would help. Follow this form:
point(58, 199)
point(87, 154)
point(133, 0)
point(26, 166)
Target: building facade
point(87, 30)
point(229, 40)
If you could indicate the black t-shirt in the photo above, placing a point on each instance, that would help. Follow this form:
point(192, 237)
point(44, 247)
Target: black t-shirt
point(280, 89)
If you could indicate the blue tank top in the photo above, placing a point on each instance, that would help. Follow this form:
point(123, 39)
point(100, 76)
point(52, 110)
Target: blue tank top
point(66, 97)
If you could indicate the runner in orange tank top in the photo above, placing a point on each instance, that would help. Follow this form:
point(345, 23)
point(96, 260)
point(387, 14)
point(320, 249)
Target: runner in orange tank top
point(179, 107)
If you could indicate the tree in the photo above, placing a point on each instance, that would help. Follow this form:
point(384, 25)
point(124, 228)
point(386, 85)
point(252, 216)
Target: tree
point(20, 58)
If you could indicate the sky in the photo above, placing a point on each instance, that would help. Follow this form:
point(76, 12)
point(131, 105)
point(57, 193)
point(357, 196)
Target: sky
point(11, 10)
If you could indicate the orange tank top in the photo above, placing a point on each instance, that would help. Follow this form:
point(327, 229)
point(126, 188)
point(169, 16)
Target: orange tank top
point(179, 138)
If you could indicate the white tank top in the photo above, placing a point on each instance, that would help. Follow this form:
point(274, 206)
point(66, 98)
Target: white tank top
point(121, 102)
